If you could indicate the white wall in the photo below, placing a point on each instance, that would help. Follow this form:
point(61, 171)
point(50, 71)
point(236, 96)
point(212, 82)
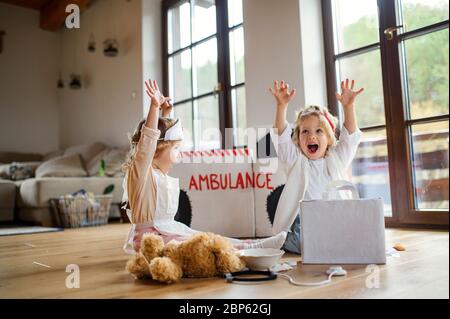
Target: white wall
point(37, 117)
point(110, 103)
point(28, 73)
point(283, 40)
point(281, 43)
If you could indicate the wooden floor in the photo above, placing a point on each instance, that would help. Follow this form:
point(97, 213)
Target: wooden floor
point(422, 271)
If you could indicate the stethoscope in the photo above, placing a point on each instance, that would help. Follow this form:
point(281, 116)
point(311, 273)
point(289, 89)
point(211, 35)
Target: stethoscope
point(268, 275)
point(242, 276)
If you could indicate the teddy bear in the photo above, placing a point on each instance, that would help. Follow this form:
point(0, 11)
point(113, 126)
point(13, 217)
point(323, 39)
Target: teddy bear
point(203, 255)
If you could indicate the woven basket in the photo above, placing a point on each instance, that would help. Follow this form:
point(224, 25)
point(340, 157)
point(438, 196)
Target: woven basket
point(80, 212)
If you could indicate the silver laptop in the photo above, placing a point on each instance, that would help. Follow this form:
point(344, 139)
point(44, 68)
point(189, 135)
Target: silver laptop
point(343, 231)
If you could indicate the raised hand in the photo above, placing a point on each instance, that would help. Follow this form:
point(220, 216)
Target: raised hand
point(348, 94)
point(282, 93)
point(153, 92)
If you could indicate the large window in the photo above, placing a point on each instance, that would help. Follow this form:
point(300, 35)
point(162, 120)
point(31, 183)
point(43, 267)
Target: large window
point(204, 69)
point(397, 50)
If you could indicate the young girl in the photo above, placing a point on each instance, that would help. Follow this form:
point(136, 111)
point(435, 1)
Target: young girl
point(150, 194)
point(312, 155)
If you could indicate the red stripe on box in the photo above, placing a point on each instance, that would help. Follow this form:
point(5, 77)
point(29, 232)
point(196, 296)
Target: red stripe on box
point(222, 153)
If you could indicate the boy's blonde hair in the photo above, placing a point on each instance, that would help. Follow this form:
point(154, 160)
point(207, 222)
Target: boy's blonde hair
point(327, 121)
point(164, 124)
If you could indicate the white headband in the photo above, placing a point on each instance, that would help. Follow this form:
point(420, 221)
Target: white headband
point(175, 133)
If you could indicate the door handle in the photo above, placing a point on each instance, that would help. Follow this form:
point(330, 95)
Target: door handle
point(389, 32)
point(217, 89)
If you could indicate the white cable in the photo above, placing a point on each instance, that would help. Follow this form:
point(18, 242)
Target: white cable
point(310, 284)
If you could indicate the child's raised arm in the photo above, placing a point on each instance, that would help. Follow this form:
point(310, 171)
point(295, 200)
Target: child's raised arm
point(157, 101)
point(350, 137)
point(157, 98)
point(347, 99)
point(282, 96)
point(150, 133)
point(286, 150)
point(145, 151)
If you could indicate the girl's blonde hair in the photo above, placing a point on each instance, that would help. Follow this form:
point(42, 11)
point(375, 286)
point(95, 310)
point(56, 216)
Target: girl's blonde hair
point(324, 116)
point(164, 124)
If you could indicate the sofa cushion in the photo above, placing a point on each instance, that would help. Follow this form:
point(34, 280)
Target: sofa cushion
point(52, 155)
point(114, 160)
point(88, 153)
point(93, 165)
point(36, 192)
point(63, 166)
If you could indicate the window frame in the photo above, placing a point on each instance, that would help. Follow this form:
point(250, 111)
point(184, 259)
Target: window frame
point(223, 91)
point(404, 213)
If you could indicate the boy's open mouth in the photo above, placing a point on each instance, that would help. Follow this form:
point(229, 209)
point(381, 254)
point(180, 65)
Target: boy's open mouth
point(312, 148)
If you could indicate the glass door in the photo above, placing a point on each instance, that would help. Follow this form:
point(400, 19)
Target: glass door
point(398, 51)
point(356, 55)
point(417, 71)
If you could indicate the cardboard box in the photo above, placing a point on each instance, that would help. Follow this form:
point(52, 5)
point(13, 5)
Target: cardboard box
point(218, 186)
point(226, 192)
point(266, 198)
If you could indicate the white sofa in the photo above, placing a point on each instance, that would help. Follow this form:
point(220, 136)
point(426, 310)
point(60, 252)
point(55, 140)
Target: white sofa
point(34, 194)
point(28, 200)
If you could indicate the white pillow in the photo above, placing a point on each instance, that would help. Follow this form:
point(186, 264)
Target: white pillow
point(114, 161)
point(62, 166)
point(86, 151)
point(51, 155)
point(93, 166)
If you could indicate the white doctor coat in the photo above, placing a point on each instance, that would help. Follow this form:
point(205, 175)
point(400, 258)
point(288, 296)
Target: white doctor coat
point(299, 172)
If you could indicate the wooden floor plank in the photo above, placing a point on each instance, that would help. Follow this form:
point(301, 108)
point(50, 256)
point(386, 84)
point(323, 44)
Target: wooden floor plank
point(422, 271)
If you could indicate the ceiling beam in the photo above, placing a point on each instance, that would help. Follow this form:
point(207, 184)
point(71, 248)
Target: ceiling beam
point(53, 13)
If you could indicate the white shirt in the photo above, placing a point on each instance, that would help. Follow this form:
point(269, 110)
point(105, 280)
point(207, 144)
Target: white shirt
point(318, 171)
point(345, 148)
point(319, 179)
